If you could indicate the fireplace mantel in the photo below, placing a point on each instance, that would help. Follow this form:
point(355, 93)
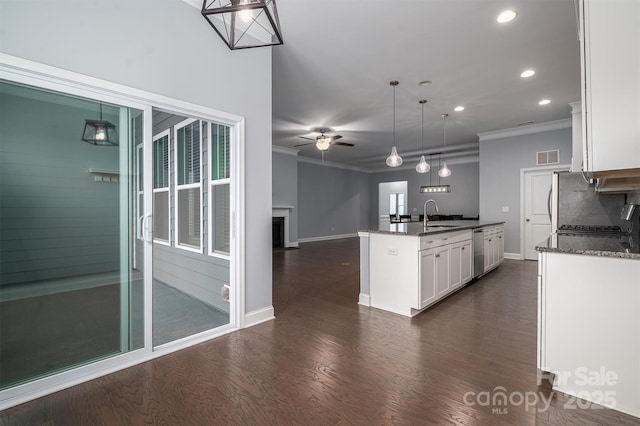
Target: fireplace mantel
point(284, 211)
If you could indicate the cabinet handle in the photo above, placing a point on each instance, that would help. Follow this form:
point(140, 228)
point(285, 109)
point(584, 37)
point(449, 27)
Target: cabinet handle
point(490, 240)
point(444, 239)
point(437, 255)
point(462, 248)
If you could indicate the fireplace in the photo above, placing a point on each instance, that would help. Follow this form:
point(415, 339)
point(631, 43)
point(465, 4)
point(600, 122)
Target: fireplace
point(278, 232)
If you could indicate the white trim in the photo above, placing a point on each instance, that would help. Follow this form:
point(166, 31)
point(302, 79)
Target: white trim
point(327, 237)
point(283, 150)
point(57, 382)
point(525, 130)
point(523, 171)
point(178, 188)
point(513, 256)
point(48, 77)
point(332, 164)
point(364, 299)
point(258, 316)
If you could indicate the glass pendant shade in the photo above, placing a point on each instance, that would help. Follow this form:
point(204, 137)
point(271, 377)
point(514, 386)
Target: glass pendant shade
point(444, 171)
point(244, 24)
point(422, 166)
point(394, 160)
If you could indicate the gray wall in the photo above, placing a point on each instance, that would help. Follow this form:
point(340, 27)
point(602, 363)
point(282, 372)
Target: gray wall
point(189, 62)
point(331, 201)
point(463, 198)
point(500, 164)
point(56, 220)
point(285, 188)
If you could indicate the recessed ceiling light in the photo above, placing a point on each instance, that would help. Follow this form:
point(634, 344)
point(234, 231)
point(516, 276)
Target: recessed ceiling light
point(424, 83)
point(506, 16)
point(459, 108)
point(527, 73)
point(544, 102)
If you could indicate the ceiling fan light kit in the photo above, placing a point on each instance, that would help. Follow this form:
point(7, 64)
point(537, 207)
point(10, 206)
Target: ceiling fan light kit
point(394, 160)
point(423, 166)
point(244, 24)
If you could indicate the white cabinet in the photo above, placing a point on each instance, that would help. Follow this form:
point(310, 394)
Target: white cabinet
point(610, 56)
point(427, 278)
point(493, 247)
point(446, 264)
point(589, 327)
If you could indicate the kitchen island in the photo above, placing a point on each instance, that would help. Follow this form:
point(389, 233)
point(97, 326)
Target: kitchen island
point(405, 267)
point(589, 318)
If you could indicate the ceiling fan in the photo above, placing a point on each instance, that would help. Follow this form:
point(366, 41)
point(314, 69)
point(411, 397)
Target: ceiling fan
point(323, 142)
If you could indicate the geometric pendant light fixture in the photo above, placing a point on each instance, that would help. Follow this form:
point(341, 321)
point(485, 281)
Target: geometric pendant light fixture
point(435, 189)
point(244, 24)
point(422, 166)
point(444, 170)
point(100, 132)
point(394, 160)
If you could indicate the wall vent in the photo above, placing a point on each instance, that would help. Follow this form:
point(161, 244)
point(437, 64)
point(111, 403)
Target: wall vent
point(547, 157)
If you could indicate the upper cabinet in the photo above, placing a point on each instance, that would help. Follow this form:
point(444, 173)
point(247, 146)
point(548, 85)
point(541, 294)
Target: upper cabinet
point(610, 55)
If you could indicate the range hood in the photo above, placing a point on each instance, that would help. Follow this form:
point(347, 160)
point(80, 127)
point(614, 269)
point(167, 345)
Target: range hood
point(617, 181)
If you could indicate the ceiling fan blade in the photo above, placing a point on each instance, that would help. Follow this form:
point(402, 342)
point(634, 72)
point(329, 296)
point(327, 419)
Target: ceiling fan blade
point(342, 143)
point(336, 137)
point(304, 137)
point(304, 144)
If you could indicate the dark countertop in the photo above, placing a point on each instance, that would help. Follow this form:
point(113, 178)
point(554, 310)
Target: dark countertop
point(622, 247)
point(416, 229)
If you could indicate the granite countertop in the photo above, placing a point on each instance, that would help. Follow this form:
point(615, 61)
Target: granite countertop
point(623, 247)
point(416, 229)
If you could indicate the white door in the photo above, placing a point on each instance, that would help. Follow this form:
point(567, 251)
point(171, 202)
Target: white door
point(537, 214)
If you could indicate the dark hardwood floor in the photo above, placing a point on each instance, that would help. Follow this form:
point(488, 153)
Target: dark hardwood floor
point(326, 360)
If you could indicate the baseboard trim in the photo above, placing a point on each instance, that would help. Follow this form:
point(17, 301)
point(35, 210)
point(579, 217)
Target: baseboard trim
point(327, 237)
point(258, 316)
point(292, 244)
point(512, 256)
point(364, 299)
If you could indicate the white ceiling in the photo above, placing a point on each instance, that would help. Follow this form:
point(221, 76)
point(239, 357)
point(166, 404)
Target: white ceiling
point(339, 56)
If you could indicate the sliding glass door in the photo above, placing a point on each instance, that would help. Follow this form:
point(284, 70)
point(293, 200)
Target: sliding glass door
point(71, 275)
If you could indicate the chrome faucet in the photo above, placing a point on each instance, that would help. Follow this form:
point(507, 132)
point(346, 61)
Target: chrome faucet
point(425, 220)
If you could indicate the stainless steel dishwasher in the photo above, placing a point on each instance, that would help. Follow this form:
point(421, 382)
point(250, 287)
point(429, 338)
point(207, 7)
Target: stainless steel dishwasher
point(478, 252)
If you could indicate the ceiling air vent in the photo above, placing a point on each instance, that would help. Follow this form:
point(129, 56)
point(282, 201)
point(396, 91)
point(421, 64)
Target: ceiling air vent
point(547, 157)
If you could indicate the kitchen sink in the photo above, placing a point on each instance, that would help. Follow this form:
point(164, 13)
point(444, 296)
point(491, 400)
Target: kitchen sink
point(439, 227)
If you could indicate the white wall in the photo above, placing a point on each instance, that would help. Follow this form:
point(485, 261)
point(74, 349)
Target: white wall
point(165, 47)
point(500, 164)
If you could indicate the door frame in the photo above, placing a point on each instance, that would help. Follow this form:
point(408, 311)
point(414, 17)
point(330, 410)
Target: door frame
point(523, 171)
point(23, 71)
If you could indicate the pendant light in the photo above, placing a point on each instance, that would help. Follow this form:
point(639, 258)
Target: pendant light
point(444, 170)
point(439, 188)
point(422, 166)
point(100, 132)
point(394, 160)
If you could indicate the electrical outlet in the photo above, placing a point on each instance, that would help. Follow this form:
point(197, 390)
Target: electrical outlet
point(505, 209)
point(392, 251)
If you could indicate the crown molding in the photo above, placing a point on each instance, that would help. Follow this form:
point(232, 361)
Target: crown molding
point(284, 150)
point(332, 164)
point(525, 130)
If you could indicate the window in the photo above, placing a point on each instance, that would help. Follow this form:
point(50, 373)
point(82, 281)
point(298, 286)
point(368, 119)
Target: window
point(188, 217)
point(161, 206)
point(396, 204)
point(139, 191)
point(220, 189)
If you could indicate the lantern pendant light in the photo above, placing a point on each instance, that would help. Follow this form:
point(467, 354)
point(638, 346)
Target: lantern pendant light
point(423, 166)
point(444, 170)
point(394, 160)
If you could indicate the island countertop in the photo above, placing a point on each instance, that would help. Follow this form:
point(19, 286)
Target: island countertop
point(417, 229)
point(622, 247)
